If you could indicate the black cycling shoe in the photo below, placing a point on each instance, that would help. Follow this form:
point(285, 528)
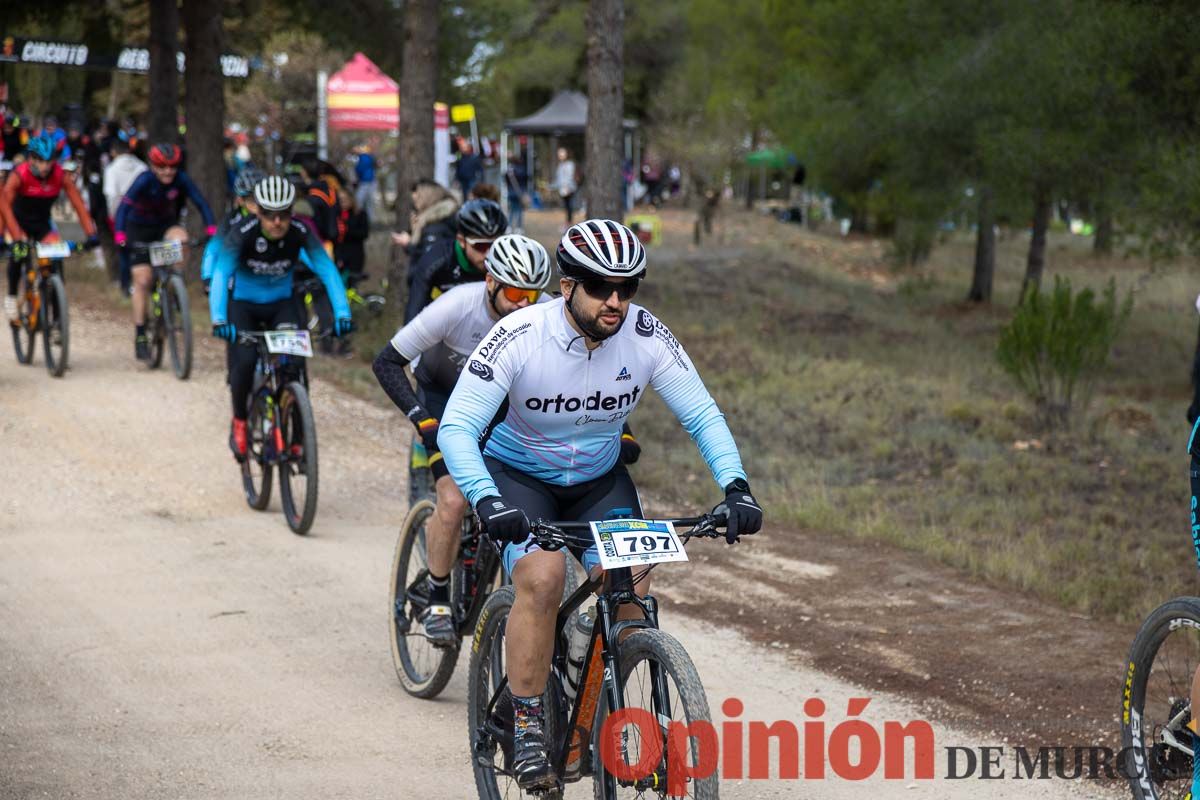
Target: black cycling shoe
point(141, 348)
point(531, 762)
point(437, 624)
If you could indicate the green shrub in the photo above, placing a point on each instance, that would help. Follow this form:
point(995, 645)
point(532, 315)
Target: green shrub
point(1057, 345)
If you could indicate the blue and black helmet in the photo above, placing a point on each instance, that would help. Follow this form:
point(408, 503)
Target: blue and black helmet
point(41, 147)
point(247, 179)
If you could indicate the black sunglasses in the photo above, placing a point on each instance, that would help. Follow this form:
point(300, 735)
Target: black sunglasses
point(276, 215)
point(600, 289)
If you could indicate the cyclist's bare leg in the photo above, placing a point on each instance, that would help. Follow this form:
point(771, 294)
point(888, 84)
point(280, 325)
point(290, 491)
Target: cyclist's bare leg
point(177, 233)
point(142, 276)
point(443, 529)
point(529, 639)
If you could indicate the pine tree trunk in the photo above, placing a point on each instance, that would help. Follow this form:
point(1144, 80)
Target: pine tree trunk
point(1035, 264)
point(418, 86)
point(163, 122)
point(985, 250)
point(205, 100)
point(606, 109)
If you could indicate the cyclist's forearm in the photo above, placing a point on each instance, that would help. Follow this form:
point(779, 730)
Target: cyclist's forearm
point(459, 442)
point(699, 415)
point(388, 367)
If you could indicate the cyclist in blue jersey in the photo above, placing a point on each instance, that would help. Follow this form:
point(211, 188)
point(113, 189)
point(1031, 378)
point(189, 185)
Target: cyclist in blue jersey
point(571, 372)
point(252, 287)
point(149, 212)
point(244, 207)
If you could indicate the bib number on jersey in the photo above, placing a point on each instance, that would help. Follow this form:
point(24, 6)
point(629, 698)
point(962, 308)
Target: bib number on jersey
point(632, 542)
point(53, 250)
point(292, 343)
point(164, 254)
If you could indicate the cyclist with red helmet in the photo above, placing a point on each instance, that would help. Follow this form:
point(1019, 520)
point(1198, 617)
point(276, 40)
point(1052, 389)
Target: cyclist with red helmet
point(25, 202)
point(149, 212)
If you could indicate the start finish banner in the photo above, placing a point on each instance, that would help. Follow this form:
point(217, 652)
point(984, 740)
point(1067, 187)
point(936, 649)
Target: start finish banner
point(50, 52)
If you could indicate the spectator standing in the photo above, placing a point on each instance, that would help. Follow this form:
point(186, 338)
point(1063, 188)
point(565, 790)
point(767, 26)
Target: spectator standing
point(14, 137)
point(432, 219)
point(364, 174)
point(517, 181)
point(565, 183)
point(469, 169)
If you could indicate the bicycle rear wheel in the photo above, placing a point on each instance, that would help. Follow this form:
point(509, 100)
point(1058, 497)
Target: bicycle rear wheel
point(491, 736)
point(55, 325)
point(1156, 705)
point(298, 461)
point(25, 331)
point(256, 469)
point(423, 670)
point(660, 678)
point(177, 315)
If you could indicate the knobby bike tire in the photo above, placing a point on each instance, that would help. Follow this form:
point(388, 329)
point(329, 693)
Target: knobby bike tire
point(156, 326)
point(177, 315)
point(486, 668)
point(25, 332)
point(55, 325)
point(257, 471)
point(295, 416)
point(659, 648)
point(418, 680)
point(1146, 774)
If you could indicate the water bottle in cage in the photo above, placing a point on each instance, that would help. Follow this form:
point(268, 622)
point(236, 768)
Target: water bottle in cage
point(577, 642)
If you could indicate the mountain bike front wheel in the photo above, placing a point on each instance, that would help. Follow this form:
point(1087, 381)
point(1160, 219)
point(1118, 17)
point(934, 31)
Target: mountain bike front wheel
point(423, 670)
point(1156, 702)
point(177, 319)
point(659, 678)
point(298, 461)
point(55, 325)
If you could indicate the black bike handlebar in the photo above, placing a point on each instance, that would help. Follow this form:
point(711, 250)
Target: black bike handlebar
point(556, 535)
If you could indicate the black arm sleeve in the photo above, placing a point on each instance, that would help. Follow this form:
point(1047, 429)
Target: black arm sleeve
point(389, 371)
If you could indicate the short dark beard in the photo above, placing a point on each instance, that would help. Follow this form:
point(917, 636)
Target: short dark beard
point(590, 327)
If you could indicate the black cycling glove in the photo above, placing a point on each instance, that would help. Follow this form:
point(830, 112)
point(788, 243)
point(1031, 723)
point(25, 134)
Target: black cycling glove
point(743, 513)
point(502, 522)
point(630, 449)
point(427, 427)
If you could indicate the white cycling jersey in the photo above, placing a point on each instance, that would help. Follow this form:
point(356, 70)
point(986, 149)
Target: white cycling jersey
point(567, 404)
point(457, 319)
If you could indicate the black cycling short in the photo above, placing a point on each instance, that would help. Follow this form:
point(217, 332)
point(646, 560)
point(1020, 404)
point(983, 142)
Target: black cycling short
point(583, 502)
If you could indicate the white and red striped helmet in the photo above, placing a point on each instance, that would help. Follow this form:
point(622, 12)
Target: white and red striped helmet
point(600, 247)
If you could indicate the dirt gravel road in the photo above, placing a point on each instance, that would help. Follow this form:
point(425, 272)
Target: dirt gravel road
point(158, 639)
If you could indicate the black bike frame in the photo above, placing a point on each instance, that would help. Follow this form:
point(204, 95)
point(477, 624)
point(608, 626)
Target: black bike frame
point(606, 634)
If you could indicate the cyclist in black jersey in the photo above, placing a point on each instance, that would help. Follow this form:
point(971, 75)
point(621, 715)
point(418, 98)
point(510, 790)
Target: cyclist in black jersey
point(458, 260)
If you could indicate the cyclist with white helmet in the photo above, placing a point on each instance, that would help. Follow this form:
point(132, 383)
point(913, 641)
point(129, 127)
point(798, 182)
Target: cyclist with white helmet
point(453, 261)
point(438, 342)
point(571, 372)
point(254, 266)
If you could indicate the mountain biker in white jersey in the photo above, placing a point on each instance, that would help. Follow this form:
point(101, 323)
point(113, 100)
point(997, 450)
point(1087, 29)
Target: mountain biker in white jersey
point(438, 342)
point(571, 371)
